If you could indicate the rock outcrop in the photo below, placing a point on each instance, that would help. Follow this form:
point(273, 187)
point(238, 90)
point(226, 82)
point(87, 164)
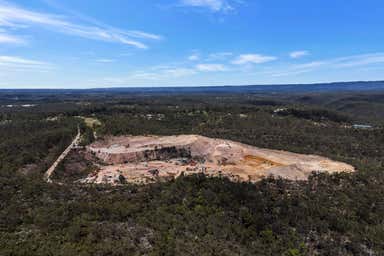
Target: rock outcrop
point(135, 158)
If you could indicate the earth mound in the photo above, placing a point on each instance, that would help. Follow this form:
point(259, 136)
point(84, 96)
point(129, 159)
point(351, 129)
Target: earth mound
point(144, 159)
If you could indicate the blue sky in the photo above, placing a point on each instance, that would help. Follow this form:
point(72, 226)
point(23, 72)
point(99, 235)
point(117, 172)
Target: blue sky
point(116, 43)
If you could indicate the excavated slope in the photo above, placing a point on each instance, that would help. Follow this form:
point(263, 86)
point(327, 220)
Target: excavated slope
point(144, 159)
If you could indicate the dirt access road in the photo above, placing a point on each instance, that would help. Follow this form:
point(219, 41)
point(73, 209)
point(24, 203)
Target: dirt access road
point(51, 170)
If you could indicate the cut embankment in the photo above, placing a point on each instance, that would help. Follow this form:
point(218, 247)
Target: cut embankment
point(144, 159)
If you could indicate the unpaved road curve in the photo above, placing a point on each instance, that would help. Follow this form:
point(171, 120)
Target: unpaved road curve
point(50, 171)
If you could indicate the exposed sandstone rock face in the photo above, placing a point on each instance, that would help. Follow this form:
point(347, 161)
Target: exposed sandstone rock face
point(138, 158)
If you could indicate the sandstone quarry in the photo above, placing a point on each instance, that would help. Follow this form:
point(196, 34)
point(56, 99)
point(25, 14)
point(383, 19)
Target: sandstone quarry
point(145, 159)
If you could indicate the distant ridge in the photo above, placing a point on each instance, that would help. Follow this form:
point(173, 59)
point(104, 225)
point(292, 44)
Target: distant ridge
point(272, 88)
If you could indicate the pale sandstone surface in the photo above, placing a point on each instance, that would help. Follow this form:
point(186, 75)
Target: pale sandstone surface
point(144, 159)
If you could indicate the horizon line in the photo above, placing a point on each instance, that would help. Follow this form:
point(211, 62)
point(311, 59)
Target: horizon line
point(190, 86)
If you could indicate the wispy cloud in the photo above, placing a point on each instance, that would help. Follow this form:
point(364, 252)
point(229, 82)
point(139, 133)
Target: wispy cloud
point(298, 54)
point(211, 67)
point(352, 61)
point(179, 72)
point(162, 73)
point(212, 5)
point(299, 69)
point(11, 39)
point(359, 60)
point(194, 57)
point(16, 63)
point(17, 17)
point(105, 60)
point(212, 57)
point(252, 59)
point(219, 56)
point(142, 35)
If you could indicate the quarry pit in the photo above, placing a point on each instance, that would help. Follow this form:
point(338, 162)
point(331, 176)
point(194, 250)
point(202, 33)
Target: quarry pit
point(147, 159)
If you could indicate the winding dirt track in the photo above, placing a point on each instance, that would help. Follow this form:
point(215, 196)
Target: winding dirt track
point(63, 155)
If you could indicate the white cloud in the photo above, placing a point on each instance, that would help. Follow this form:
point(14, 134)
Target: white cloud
point(298, 69)
point(351, 61)
point(15, 62)
point(179, 72)
point(359, 60)
point(141, 34)
point(10, 39)
point(288, 73)
point(18, 60)
point(213, 5)
point(211, 67)
point(252, 59)
point(194, 57)
point(298, 54)
point(105, 60)
point(16, 17)
point(219, 55)
point(162, 73)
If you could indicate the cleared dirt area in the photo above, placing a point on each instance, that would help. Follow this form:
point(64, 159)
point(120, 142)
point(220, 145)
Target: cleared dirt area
point(145, 159)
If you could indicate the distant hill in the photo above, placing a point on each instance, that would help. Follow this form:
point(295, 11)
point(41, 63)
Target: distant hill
point(320, 87)
point(278, 88)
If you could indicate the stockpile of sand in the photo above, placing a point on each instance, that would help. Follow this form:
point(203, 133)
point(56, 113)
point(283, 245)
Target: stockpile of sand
point(143, 159)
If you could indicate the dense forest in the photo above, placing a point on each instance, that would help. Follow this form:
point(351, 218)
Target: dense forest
point(338, 214)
